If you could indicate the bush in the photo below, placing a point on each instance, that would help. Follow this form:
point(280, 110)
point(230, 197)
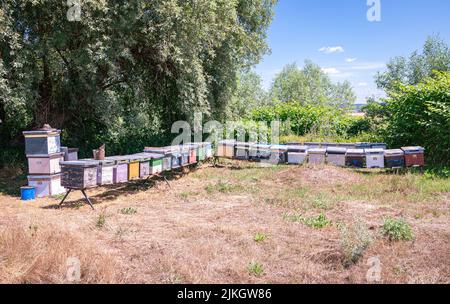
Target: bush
point(355, 239)
point(397, 230)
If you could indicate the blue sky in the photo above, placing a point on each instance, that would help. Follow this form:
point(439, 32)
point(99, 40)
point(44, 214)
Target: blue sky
point(337, 35)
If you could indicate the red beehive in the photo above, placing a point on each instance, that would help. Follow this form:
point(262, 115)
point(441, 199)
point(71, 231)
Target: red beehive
point(414, 156)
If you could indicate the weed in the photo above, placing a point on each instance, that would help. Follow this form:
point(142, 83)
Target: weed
point(128, 211)
point(101, 221)
point(33, 229)
point(260, 237)
point(355, 239)
point(256, 269)
point(317, 222)
point(397, 230)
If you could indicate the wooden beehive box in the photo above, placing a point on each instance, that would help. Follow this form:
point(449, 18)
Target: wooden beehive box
point(296, 154)
point(133, 167)
point(355, 158)
point(42, 142)
point(105, 172)
point(382, 146)
point(225, 148)
point(278, 154)
point(336, 156)
point(374, 158)
point(45, 164)
point(317, 156)
point(79, 174)
point(46, 185)
point(414, 156)
point(120, 170)
point(243, 150)
point(208, 150)
point(167, 152)
point(394, 158)
point(260, 152)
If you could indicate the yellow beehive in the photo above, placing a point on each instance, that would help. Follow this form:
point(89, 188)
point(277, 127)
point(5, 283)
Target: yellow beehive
point(133, 169)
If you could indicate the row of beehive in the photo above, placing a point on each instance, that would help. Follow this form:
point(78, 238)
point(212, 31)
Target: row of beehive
point(344, 155)
point(89, 173)
point(44, 153)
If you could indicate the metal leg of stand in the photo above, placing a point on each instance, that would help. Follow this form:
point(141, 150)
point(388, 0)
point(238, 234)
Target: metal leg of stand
point(65, 196)
point(87, 199)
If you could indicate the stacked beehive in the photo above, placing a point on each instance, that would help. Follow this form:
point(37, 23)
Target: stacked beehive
point(43, 150)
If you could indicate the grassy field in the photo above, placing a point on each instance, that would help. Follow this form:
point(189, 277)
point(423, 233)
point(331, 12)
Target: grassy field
point(237, 223)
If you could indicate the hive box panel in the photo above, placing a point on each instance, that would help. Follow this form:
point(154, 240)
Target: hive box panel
point(72, 154)
point(105, 175)
point(394, 159)
point(144, 169)
point(336, 156)
point(45, 164)
point(46, 185)
point(317, 156)
point(225, 148)
point(176, 160)
point(208, 150)
point(156, 166)
point(192, 155)
point(42, 142)
point(167, 163)
point(296, 158)
point(133, 170)
point(414, 156)
point(201, 156)
point(260, 152)
point(278, 154)
point(355, 158)
point(242, 150)
point(79, 175)
point(120, 173)
point(374, 158)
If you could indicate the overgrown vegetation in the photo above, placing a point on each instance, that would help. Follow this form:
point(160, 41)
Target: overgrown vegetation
point(256, 269)
point(397, 230)
point(355, 239)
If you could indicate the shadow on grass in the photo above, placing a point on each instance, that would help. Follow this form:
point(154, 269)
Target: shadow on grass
point(126, 189)
point(11, 179)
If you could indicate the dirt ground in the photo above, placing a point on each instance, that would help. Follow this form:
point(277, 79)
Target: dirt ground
point(232, 224)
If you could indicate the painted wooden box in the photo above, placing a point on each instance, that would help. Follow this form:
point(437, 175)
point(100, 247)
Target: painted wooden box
point(46, 185)
point(45, 164)
point(42, 142)
point(317, 156)
point(201, 152)
point(133, 167)
point(355, 158)
point(120, 170)
point(243, 150)
point(70, 153)
point(167, 153)
point(394, 158)
point(363, 145)
point(156, 164)
point(193, 151)
point(296, 154)
point(185, 154)
point(374, 158)
point(260, 152)
point(346, 145)
point(79, 174)
point(336, 156)
point(105, 172)
point(278, 154)
point(382, 146)
point(414, 156)
point(313, 145)
point(225, 148)
point(208, 150)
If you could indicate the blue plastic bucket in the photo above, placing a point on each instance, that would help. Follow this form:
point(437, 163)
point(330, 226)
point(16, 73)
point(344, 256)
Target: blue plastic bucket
point(27, 193)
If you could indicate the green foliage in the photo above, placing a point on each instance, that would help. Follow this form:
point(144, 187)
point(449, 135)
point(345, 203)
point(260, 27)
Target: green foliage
point(127, 70)
point(128, 211)
point(256, 269)
point(397, 230)
point(316, 222)
point(311, 86)
point(420, 115)
point(101, 221)
point(354, 240)
point(260, 237)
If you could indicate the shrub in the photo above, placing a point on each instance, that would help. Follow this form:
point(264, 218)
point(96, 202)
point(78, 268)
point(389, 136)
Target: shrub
point(355, 239)
point(256, 269)
point(260, 237)
point(128, 211)
point(317, 222)
point(397, 230)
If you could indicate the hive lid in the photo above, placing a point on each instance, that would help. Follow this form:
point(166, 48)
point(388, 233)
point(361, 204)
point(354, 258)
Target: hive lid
point(149, 156)
point(296, 148)
point(355, 151)
point(278, 147)
point(374, 151)
point(413, 149)
point(336, 150)
point(317, 151)
point(244, 144)
point(164, 150)
point(79, 163)
point(105, 162)
point(119, 159)
point(394, 152)
point(31, 177)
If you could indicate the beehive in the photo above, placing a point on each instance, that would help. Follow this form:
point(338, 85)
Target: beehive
point(382, 146)
point(260, 152)
point(296, 154)
point(42, 142)
point(45, 164)
point(144, 164)
point(313, 145)
point(46, 185)
point(120, 170)
point(167, 156)
point(363, 145)
point(193, 151)
point(374, 158)
point(355, 158)
point(414, 156)
point(105, 172)
point(394, 159)
point(133, 167)
point(208, 150)
point(243, 150)
point(347, 145)
point(79, 174)
point(336, 156)
point(156, 164)
point(225, 148)
point(278, 154)
point(317, 156)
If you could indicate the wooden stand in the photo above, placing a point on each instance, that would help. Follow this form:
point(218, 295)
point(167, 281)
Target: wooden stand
point(85, 197)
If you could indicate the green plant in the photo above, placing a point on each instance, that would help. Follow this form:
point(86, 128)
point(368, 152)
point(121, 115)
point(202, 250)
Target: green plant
point(317, 222)
point(354, 240)
point(101, 221)
point(128, 211)
point(397, 230)
point(256, 269)
point(260, 237)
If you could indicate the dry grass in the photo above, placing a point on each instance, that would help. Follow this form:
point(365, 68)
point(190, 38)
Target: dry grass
point(203, 229)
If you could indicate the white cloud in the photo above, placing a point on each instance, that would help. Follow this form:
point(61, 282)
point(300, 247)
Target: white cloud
point(350, 60)
point(331, 49)
point(331, 71)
